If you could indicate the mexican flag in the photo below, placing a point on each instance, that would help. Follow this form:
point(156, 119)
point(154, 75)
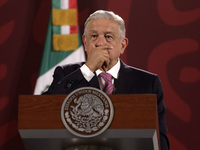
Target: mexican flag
point(63, 42)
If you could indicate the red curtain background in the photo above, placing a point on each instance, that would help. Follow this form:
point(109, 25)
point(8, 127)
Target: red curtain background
point(164, 38)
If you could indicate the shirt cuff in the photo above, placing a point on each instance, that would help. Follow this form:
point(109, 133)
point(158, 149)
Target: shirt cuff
point(87, 73)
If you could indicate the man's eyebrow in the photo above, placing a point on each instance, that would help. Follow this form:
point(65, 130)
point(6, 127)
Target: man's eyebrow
point(96, 32)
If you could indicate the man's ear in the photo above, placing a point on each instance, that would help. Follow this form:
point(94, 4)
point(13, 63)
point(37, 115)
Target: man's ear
point(84, 41)
point(124, 44)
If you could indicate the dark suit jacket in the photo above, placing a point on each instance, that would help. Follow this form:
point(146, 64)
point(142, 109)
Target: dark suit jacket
point(130, 81)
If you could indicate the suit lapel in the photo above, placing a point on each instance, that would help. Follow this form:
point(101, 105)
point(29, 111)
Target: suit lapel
point(94, 82)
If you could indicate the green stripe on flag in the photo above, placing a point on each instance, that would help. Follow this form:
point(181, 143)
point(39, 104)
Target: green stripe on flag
point(56, 29)
point(56, 4)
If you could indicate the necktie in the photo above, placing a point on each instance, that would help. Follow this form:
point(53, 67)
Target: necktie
point(108, 87)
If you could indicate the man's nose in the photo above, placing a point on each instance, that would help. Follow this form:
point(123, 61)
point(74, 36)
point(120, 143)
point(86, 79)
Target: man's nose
point(100, 41)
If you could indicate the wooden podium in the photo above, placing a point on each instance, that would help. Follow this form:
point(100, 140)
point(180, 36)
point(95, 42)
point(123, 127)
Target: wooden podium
point(134, 125)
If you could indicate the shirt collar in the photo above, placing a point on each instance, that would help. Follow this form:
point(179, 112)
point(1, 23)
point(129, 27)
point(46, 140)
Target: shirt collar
point(113, 71)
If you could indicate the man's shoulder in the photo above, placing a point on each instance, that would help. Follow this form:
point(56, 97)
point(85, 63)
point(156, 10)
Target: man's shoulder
point(68, 68)
point(72, 66)
point(134, 70)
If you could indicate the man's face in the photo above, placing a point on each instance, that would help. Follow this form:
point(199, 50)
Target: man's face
point(105, 32)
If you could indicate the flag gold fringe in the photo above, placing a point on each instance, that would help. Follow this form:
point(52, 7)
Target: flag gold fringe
point(65, 42)
point(64, 17)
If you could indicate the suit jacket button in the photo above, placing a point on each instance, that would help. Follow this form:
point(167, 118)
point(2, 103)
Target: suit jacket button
point(69, 85)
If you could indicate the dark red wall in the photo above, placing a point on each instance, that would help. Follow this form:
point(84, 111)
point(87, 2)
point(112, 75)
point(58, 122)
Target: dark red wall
point(164, 38)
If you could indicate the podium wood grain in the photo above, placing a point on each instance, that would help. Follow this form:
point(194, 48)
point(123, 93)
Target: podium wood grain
point(130, 112)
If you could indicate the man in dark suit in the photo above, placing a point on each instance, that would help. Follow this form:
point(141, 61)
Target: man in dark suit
point(104, 41)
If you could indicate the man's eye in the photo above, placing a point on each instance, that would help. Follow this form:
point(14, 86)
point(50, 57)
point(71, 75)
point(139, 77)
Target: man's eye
point(94, 36)
point(109, 37)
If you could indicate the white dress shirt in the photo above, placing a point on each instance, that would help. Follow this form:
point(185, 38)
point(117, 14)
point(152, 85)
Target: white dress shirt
point(88, 74)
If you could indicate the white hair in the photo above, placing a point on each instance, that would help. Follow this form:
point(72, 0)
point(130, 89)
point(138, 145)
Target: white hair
point(103, 14)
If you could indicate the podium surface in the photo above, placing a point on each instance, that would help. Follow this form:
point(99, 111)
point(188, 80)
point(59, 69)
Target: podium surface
point(134, 125)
